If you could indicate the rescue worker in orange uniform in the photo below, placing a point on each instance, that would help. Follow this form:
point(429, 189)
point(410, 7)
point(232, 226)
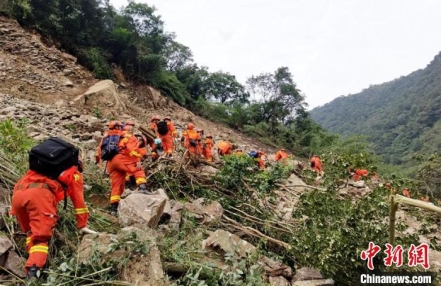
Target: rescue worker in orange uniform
point(34, 203)
point(259, 159)
point(280, 155)
point(316, 164)
point(207, 147)
point(142, 150)
point(224, 148)
point(167, 140)
point(155, 119)
point(192, 140)
point(357, 173)
point(128, 160)
point(406, 192)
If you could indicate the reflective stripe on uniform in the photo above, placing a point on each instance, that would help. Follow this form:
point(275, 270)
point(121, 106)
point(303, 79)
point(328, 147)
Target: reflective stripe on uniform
point(134, 153)
point(115, 198)
point(140, 180)
point(39, 248)
point(28, 240)
point(81, 211)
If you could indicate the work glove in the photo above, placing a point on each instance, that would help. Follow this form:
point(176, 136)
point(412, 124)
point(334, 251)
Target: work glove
point(138, 165)
point(86, 230)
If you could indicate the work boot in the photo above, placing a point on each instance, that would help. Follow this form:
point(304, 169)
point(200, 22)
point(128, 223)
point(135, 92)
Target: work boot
point(33, 275)
point(114, 209)
point(143, 189)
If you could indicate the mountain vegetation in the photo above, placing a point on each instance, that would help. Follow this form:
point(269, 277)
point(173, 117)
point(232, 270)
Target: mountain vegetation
point(401, 118)
point(134, 39)
point(319, 226)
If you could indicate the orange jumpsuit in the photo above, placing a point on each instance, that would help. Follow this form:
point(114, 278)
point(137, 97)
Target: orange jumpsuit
point(195, 136)
point(123, 163)
point(224, 148)
point(359, 173)
point(406, 192)
point(142, 150)
point(280, 155)
point(318, 167)
point(34, 203)
point(154, 153)
point(259, 159)
point(167, 140)
point(208, 145)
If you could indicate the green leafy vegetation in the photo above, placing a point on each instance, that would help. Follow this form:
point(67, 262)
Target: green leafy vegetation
point(400, 118)
point(269, 106)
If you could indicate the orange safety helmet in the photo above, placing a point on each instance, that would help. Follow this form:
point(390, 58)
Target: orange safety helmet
point(142, 140)
point(130, 123)
point(167, 118)
point(156, 117)
point(190, 126)
point(128, 128)
point(114, 124)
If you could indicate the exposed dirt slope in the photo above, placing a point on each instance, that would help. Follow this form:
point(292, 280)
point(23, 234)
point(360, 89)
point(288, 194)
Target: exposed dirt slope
point(31, 70)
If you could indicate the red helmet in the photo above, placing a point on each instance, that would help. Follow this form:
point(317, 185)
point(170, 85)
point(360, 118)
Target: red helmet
point(115, 124)
point(128, 128)
point(156, 117)
point(130, 123)
point(190, 126)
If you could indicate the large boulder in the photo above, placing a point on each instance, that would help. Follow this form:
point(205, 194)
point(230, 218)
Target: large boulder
point(141, 209)
point(5, 244)
point(103, 94)
point(222, 242)
point(204, 211)
point(15, 264)
point(135, 248)
point(226, 242)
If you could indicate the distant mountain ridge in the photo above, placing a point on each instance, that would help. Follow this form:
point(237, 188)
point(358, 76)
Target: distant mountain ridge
point(400, 117)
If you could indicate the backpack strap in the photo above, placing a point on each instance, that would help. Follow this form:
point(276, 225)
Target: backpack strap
point(65, 193)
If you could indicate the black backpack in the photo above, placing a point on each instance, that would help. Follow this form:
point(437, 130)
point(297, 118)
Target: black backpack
point(109, 147)
point(162, 127)
point(52, 157)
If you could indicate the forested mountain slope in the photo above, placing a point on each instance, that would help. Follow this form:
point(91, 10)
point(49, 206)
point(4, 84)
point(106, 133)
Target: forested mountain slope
point(400, 118)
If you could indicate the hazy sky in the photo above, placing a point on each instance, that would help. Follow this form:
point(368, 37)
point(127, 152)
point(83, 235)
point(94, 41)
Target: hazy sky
point(331, 47)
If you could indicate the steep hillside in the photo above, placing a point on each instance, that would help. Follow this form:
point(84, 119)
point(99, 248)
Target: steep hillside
point(31, 70)
point(263, 228)
point(400, 117)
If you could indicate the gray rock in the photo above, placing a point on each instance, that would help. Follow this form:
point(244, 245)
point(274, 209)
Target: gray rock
point(141, 209)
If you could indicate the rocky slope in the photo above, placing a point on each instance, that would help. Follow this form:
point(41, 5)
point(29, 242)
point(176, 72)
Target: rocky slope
point(31, 70)
point(57, 97)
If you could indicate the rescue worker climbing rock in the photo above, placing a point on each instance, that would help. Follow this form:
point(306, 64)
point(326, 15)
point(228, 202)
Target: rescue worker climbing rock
point(316, 164)
point(281, 155)
point(34, 204)
point(126, 161)
point(168, 138)
point(224, 148)
point(207, 147)
point(153, 121)
point(191, 141)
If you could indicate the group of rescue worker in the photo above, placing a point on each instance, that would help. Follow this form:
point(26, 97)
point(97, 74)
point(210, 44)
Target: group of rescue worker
point(35, 196)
